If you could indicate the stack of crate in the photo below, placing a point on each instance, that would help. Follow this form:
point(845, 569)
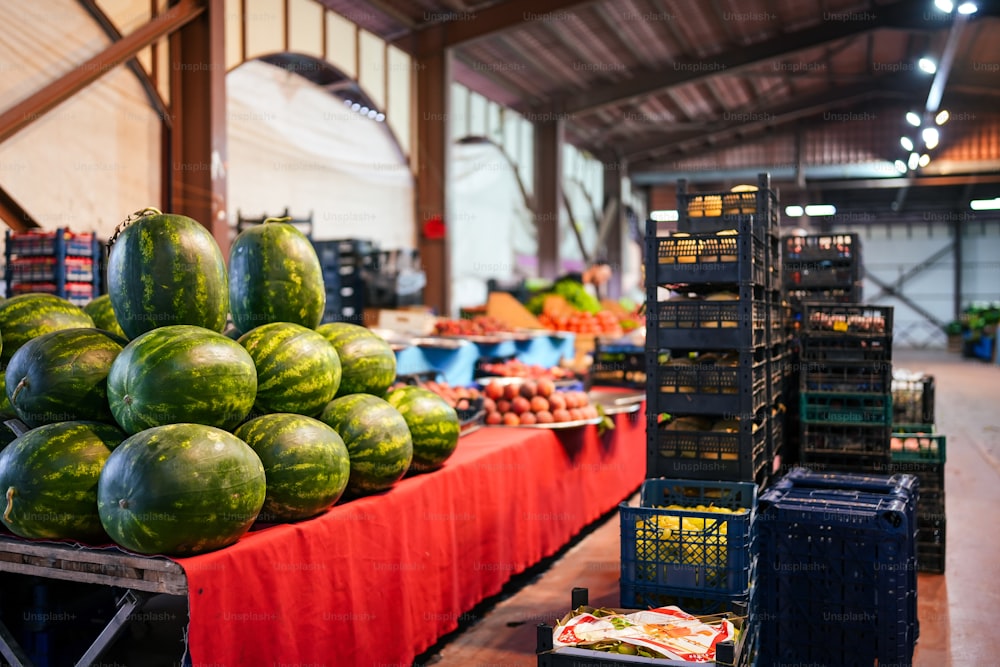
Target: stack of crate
point(346, 263)
point(58, 262)
point(821, 268)
point(816, 268)
point(837, 570)
point(845, 389)
point(917, 450)
point(709, 348)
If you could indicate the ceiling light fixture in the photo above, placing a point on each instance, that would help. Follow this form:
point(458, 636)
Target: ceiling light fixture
point(900, 166)
point(985, 204)
point(925, 160)
point(906, 143)
point(663, 216)
point(931, 137)
point(379, 117)
point(821, 209)
point(942, 117)
point(927, 65)
point(944, 5)
point(914, 161)
point(912, 118)
point(794, 211)
point(967, 8)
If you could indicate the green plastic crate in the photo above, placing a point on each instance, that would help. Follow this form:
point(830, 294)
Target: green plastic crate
point(919, 447)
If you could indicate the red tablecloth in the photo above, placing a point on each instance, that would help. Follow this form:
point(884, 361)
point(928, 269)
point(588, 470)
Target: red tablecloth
point(378, 580)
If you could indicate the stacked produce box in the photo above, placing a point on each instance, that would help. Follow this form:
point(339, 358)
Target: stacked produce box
point(59, 262)
point(917, 450)
point(821, 268)
point(345, 264)
point(845, 392)
point(837, 569)
point(709, 346)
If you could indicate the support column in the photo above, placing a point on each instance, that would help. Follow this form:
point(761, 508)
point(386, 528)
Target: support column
point(198, 139)
point(957, 228)
point(610, 242)
point(432, 73)
point(548, 193)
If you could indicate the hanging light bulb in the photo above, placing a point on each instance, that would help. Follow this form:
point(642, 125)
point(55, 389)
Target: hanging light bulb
point(927, 65)
point(931, 137)
point(942, 117)
point(912, 118)
point(900, 166)
point(914, 161)
point(925, 160)
point(967, 8)
point(379, 117)
point(906, 143)
point(944, 5)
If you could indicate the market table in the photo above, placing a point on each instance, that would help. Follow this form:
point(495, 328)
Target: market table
point(376, 581)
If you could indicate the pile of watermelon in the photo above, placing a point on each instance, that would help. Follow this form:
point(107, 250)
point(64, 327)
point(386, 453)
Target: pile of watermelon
point(195, 400)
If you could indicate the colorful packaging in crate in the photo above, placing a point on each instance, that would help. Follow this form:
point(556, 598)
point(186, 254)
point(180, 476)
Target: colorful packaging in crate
point(667, 632)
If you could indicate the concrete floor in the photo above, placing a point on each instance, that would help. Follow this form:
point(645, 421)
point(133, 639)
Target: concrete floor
point(955, 609)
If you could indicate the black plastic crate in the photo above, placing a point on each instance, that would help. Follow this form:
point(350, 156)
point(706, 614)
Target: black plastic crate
point(729, 383)
point(931, 543)
point(739, 456)
point(847, 377)
point(822, 247)
point(698, 324)
point(848, 439)
point(710, 258)
point(822, 275)
point(618, 366)
point(831, 349)
point(913, 400)
point(826, 319)
point(714, 211)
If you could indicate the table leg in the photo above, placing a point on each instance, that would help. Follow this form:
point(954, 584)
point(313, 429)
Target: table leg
point(11, 650)
point(128, 603)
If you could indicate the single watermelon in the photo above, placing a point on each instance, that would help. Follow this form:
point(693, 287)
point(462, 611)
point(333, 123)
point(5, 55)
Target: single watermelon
point(275, 276)
point(103, 314)
point(298, 370)
point(180, 490)
point(305, 462)
point(164, 270)
point(368, 364)
point(62, 376)
point(433, 424)
point(49, 476)
point(377, 438)
point(181, 373)
point(28, 316)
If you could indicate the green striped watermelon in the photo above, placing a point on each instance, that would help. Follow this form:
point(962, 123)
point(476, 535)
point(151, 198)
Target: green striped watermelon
point(28, 316)
point(305, 462)
point(377, 438)
point(103, 314)
point(298, 370)
point(62, 376)
point(433, 425)
point(180, 490)
point(6, 411)
point(49, 477)
point(275, 276)
point(181, 373)
point(167, 269)
point(368, 363)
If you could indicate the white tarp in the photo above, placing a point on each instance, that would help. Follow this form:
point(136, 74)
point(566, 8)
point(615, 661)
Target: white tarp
point(488, 223)
point(293, 145)
point(93, 159)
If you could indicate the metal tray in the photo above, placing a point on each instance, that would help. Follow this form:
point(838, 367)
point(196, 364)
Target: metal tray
point(516, 379)
point(439, 342)
point(555, 426)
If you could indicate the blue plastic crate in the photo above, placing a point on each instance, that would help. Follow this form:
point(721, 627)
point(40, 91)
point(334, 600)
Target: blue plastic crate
point(836, 580)
point(680, 552)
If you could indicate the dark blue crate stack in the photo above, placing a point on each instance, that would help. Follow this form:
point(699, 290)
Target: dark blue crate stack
point(835, 576)
point(735, 388)
point(845, 387)
point(700, 561)
point(60, 262)
point(821, 268)
point(345, 264)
